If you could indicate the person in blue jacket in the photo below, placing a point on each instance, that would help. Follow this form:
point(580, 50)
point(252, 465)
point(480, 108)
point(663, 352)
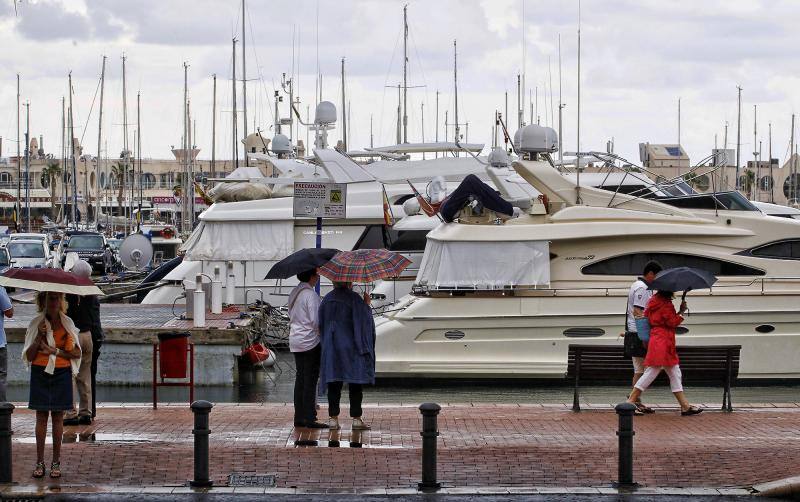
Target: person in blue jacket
point(347, 333)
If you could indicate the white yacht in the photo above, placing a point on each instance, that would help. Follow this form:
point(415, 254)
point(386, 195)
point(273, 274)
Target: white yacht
point(508, 299)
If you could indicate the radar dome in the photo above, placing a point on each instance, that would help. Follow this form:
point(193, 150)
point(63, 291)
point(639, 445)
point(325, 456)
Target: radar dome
point(281, 144)
point(498, 158)
point(536, 139)
point(325, 113)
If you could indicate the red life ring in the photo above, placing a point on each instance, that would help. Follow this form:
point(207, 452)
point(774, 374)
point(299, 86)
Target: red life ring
point(256, 353)
point(168, 233)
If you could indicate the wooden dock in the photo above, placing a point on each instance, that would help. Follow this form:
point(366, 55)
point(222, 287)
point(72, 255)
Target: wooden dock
point(140, 324)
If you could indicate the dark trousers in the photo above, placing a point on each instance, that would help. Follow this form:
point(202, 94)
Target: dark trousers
point(356, 393)
point(95, 355)
point(305, 385)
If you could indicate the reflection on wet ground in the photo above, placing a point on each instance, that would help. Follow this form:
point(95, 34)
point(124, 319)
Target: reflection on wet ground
point(278, 387)
point(328, 438)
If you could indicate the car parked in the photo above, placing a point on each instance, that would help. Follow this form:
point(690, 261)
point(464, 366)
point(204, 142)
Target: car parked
point(28, 253)
point(90, 247)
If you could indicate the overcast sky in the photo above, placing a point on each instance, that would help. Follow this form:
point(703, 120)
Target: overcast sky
point(638, 58)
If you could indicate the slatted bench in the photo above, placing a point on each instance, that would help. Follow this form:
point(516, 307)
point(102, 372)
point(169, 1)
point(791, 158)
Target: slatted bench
point(717, 364)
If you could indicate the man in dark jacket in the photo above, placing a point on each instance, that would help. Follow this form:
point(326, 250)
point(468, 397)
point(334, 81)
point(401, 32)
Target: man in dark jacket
point(85, 313)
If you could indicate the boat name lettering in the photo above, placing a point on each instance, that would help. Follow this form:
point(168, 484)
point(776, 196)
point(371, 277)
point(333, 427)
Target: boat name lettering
point(585, 258)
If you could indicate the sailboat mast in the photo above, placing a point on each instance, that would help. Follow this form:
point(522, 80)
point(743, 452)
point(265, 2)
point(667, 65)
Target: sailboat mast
point(125, 153)
point(27, 166)
point(235, 119)
point(63, 161)
point(344, 112)
point(519, 101)
point(455, 85)
point(99, 145)
point(755, 144)
point(214, 128)
point(185, 177)
point(19, 162)
point(437, 120)
point(793, 160)
point(72, 147)
point(738, 137)
point(405, 74)
point(771, 179)
point(399, 115)
point(244, 79)
point(139, 152)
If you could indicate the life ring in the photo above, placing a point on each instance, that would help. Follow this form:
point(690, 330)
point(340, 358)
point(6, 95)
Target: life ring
point(168, 233)
point(258, 353)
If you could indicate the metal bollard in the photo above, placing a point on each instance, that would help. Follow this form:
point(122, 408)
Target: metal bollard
point(430, 433)
point(201, 411)
point(625, 434)
point(6, 409)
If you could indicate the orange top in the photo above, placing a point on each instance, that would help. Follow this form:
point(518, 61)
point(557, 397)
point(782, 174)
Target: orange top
point(63, 342)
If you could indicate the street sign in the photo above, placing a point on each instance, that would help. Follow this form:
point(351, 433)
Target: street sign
point(319, 200)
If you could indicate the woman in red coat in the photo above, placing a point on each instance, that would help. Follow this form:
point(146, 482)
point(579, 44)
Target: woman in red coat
point(661, 352)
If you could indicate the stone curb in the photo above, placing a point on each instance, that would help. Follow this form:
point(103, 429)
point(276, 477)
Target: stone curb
point(781, 488)
point(37, 491)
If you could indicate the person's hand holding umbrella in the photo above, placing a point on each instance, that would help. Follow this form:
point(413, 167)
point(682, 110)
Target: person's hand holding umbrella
point(683, 279)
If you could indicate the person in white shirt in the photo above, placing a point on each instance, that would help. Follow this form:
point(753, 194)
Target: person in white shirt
point(638, 296)
point(304, 344)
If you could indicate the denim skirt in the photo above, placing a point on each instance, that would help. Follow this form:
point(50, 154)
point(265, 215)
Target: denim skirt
point(50, 392)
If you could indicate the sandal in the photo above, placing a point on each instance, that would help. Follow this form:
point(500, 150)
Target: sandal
point(38, 472)
point(644, 409)
point(55, 470)
point(692, 410)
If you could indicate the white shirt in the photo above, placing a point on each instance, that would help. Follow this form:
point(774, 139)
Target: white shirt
point(303, 318)
point(638, 296)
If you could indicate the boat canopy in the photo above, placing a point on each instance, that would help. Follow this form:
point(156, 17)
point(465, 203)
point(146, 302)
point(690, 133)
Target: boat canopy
point(475, 265)
point(240, 240)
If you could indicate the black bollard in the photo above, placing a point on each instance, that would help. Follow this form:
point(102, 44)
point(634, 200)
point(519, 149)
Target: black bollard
point(430, 431)
point(201, 410)
point(6, 409)
point(625, 434)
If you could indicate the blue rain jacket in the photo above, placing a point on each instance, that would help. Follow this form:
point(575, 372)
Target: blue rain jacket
point(347, 333)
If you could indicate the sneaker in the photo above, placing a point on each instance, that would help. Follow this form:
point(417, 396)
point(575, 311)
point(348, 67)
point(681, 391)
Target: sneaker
point(333, 424)
point(85, 420)
point(359, 425)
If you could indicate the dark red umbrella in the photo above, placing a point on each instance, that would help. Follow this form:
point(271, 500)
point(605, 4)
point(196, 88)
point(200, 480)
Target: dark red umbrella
point(49, 279)
point(364, 265)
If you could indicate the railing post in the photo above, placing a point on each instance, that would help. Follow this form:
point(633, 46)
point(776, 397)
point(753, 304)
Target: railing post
point(625, 434)
point(430, 433)
point(201, 431)
point(6, 409)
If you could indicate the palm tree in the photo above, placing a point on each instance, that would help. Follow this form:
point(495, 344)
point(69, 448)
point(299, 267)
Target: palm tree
point(119, 172)
point(50, 175)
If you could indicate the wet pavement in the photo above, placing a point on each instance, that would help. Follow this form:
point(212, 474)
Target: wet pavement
point(143, 497)
point(483, 448)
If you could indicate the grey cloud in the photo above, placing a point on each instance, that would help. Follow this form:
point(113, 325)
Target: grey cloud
point(47, 20)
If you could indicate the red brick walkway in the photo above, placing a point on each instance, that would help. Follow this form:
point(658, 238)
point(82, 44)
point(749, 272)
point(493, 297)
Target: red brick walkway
point(480, 446)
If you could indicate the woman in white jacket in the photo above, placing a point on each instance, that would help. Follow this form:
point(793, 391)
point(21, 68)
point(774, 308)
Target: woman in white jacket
point(53, 353)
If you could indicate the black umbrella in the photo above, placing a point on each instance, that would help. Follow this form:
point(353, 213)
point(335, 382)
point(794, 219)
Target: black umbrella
point(683, 279)
point(300, 261)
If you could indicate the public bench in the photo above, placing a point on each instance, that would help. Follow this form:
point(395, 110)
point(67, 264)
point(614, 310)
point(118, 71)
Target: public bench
point(717, 364)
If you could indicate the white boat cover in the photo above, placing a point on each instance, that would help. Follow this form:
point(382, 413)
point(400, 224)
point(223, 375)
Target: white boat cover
point(240, 240)
point(484, 265)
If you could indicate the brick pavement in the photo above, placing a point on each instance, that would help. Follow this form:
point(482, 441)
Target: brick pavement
point(480, 446)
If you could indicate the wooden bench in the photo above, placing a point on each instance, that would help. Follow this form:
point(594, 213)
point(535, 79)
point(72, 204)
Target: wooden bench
point(699, 364)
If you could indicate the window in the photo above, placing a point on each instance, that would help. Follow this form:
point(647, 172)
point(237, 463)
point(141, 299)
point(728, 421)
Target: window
point(148, 181)
point(728, 201)
point(784, 250)
point(791, 187)
point(383, 237)
point(26, 249)
point(88, 242)
point(633, 264)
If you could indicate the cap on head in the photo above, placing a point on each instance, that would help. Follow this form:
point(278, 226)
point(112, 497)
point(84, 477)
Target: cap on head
point(81, 269)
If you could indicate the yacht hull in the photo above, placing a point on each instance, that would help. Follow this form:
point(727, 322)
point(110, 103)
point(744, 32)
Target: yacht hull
point(518, 337)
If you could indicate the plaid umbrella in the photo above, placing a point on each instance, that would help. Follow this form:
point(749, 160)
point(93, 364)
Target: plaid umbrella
point(364, 265)
point(48, 279)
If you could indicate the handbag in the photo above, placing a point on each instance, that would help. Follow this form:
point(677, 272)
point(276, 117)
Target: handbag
point(643, 329)
point(633, 346)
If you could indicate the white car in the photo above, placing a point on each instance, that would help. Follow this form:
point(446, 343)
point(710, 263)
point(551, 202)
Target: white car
point(31, 237)
point(29, 253)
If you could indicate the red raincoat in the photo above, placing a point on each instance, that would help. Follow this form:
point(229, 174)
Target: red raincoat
point(663, 321)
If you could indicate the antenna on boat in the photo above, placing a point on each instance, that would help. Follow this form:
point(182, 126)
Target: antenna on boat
point(578, 153)
point(560, 107)
point(679, 121)
point(738, 136)
point(344, 113)
point(455, 84)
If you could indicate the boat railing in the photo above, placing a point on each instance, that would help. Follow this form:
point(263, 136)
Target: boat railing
point(758, 283)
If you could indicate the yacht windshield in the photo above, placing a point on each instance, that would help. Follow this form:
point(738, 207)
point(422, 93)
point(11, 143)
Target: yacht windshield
point(384, 237)
point(85, 242)
point(727, 201)
point(26, 250)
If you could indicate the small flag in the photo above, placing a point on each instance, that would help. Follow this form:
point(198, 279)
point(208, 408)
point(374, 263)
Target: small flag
point(388, 217)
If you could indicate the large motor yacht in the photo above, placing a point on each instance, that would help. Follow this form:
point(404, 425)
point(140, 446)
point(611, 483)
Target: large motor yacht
point(507, 298)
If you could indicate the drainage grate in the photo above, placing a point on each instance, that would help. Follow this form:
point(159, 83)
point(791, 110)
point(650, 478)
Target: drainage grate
point(249, 479)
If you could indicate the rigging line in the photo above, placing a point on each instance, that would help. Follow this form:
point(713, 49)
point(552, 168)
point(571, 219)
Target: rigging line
point(97, 89)
point(386, 84)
